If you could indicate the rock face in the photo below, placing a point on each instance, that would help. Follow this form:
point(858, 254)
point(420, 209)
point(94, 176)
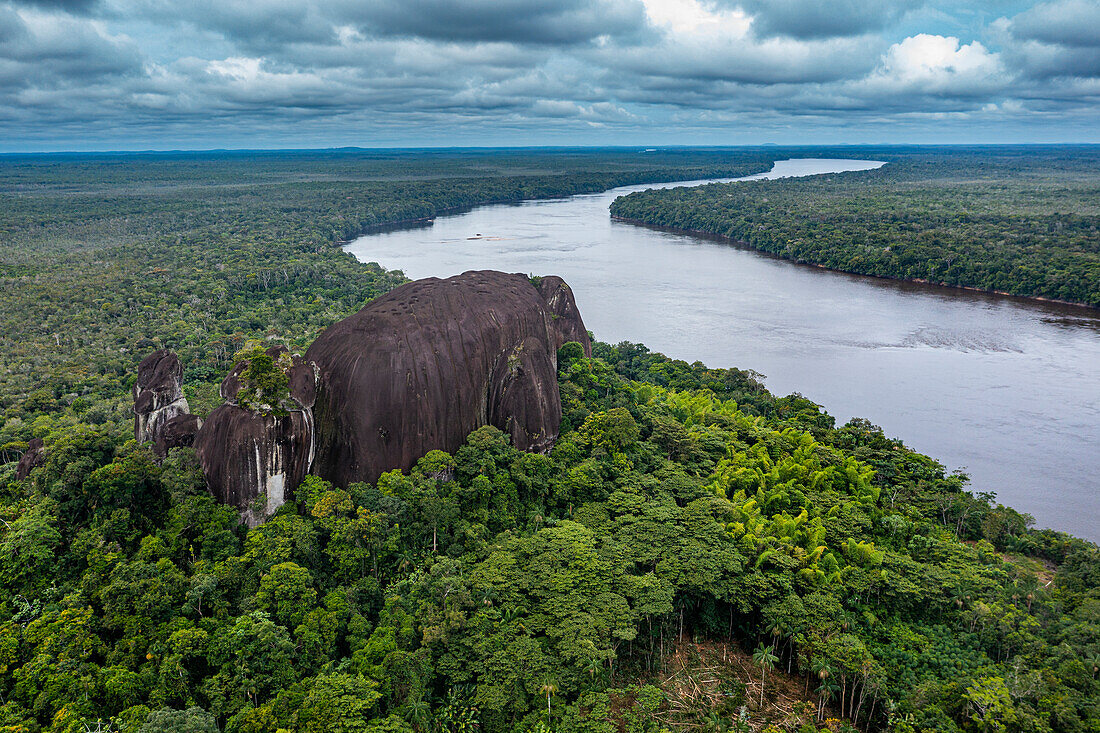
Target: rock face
point(565, 317)
point(158, 395)
point(426, 364)
point(246, 454)
point(32, 458)
point(179, 431)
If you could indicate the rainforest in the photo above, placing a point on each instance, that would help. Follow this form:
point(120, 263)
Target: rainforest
point(694, 552)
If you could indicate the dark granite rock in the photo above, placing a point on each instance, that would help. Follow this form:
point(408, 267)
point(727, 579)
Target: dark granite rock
point(565, 319)
point(415, 370)
point(426, 364)
point(158, 395)
point(178, 432)
point(32, 458)
point(246, 453)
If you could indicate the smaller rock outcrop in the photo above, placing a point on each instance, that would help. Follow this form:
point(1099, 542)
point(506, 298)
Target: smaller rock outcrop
point(178, 432)
point(32, 458)
point(158, 395)
point(257, 447)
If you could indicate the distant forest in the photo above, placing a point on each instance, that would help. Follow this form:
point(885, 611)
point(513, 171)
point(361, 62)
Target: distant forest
point(694, 554)
point(103, 258)
point(1024, 221)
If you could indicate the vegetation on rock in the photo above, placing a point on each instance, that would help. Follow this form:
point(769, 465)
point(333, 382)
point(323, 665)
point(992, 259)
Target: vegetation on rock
point(265, 386)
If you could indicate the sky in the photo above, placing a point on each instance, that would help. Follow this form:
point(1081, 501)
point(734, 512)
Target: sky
point(201, 74)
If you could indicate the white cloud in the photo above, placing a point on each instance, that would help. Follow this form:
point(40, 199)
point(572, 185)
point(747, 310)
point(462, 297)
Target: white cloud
point(686, 17)
point(940, 64)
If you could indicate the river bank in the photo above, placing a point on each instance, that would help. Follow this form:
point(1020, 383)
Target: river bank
point(702, 233)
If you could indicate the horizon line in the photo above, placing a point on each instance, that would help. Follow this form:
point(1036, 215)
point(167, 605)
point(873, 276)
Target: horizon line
point(486, 148)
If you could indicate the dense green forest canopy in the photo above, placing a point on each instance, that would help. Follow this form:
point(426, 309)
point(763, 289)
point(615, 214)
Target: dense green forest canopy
point(1024, 221)
point(494, 590)
point(695, 553)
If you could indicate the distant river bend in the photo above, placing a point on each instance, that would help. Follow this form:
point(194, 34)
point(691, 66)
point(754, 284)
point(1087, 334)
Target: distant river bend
point(1006, 388)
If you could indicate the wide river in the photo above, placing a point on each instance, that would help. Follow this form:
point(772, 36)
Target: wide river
point(1005, 388)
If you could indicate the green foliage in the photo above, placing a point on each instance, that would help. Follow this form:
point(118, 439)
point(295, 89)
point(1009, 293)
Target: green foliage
point(191, 720)
point(489, 590)
point(338, 703)
point(495, 590)
point(265, 386)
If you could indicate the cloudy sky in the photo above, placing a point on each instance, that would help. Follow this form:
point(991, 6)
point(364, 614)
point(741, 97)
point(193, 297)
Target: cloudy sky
point(162, 74)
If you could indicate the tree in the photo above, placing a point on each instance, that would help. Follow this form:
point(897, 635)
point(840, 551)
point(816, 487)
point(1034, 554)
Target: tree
point(287, 593)
point(765, 657)
point(569, 352)
point(254, 658)
point(613, 430)
point(265, 386)
point(419, 713)
point(28, 545)
point(338, 703)
point(548, 688)
point(990, 705)
point(131, 482)
point(191, 720)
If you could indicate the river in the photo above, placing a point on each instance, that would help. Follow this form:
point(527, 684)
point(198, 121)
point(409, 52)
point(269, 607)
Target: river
point(1006, 388)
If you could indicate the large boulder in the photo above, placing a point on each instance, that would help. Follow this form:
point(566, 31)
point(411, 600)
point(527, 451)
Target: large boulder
point(421, 367)
point(255, 453)
point(158, 395)
point(415, 370)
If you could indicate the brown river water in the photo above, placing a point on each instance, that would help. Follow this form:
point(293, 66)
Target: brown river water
point(1005, 388)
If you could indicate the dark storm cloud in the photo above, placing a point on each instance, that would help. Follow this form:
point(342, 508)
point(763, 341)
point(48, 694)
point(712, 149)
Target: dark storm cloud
point(76, 7)
point(306, 72)
point(1054, 40)
point(1073, 23)
point(1048, 61)
point(59, 51)
point(748, 64)
point(258, 25)
point(811, 19)
point(521, 21)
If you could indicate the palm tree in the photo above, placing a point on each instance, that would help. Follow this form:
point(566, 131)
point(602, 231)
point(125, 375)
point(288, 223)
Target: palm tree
point(821, 669)
point(1093, 664)
point(486, 597)
point(765, 657)
point(418, 712)
point(550, 689)
point(824, 691)
point(406, 561)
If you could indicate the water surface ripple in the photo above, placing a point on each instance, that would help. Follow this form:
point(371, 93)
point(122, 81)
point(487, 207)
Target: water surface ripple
point(1006, 388)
